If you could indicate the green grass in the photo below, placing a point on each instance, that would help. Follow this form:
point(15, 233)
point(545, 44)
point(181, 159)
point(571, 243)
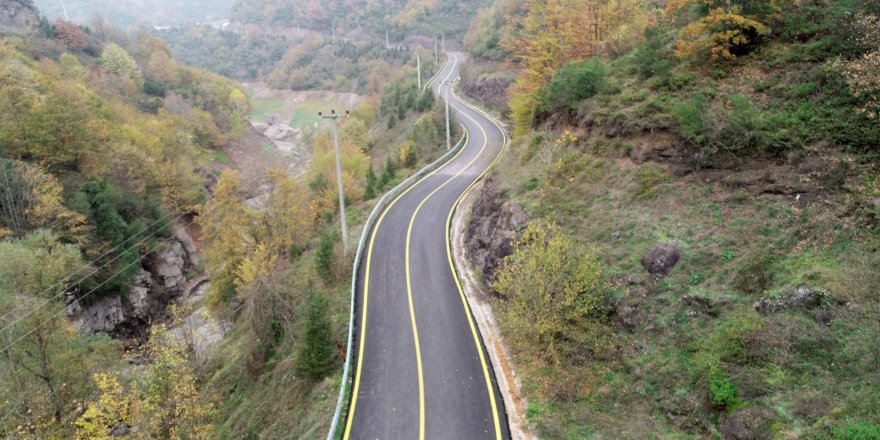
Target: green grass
point(306, 115)
point(738, 247)
point(262, 108)
point(221, 157)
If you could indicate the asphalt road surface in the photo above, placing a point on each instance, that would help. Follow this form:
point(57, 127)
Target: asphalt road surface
point(422, 371)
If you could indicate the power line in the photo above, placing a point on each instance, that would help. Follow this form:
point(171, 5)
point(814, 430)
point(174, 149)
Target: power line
point(89, 264)
point(76, 301)
point(59, 294)
point(137, 261)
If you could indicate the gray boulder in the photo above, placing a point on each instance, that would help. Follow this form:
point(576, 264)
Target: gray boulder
point(662, 258)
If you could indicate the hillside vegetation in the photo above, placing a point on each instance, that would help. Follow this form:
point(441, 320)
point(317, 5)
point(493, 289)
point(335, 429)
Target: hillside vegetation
point(739, 137)
point(285, 42)
point(398, 17)
point(103, 140)
point(107, 136)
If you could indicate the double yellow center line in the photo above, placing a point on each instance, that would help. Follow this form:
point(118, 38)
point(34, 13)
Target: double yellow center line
point(421, 382)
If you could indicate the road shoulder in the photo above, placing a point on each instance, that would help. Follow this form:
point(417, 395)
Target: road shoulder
point(508, 382)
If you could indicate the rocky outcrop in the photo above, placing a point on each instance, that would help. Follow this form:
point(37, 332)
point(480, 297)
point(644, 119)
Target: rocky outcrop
point(17, 17)
point(111, 313)
point(162, 278)
point(803, 298)
point(494, 225)
point(661, 258)
point(201, 331)
point(491, 91)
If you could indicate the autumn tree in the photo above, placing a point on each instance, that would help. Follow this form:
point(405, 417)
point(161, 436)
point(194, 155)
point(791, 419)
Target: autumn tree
point(171, 405)
point(111, 415)
point(31, 198)
point(48, 361)
point(552, 33)
point(70, 35)
point(724, 29)
point(407, 155)
point(164, 403)
point(244, 239)
point(553, 291)
point(116, 60)
point(228, 239)
point(161, 66)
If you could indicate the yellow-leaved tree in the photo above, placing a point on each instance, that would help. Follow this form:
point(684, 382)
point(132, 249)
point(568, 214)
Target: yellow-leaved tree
point(228, 236)
point(724, 29)
point(352, 142)
point(248, 228)
point(554, 290)
point(164, 403)
point(552, 33)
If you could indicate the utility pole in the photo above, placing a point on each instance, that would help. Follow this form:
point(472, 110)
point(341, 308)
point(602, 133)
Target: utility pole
point(333, 27)
point(448, 136)
point(436, 56)
point(333, 116)
point(419, 68)
point(443, 35)
point(387, 42)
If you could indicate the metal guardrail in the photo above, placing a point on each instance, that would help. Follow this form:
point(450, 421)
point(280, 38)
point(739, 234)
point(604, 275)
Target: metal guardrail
point(436, 75)
point(368, 227)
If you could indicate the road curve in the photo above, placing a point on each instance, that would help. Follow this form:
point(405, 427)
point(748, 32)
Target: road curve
point(422, 371)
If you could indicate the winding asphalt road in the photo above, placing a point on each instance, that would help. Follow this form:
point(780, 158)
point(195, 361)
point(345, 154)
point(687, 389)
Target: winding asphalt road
point(422, 371)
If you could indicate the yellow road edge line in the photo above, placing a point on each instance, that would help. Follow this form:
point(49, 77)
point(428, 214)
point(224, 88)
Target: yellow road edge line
point(357, 379)
point(455, 273)
point(483, 363)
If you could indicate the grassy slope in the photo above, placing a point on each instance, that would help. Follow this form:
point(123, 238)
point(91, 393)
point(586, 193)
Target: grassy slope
point(744, 238)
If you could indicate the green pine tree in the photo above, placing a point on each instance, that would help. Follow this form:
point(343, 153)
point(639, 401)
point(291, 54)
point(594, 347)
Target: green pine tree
point(324, 257)
point(388, 173)
point(411, 158)
point(316, 350)
point(370, 190)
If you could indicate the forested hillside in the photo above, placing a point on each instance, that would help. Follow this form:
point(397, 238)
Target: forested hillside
point(702, 180)
point(285, 42)
point(105, 140)
point(398, 17)
point(113, 155)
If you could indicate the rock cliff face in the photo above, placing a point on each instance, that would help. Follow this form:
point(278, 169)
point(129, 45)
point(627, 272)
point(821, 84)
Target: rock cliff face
point(17, 17)
point(162, 278)
point(492, 230)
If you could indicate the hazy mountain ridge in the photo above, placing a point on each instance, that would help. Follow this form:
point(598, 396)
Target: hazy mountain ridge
point(129, 13)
